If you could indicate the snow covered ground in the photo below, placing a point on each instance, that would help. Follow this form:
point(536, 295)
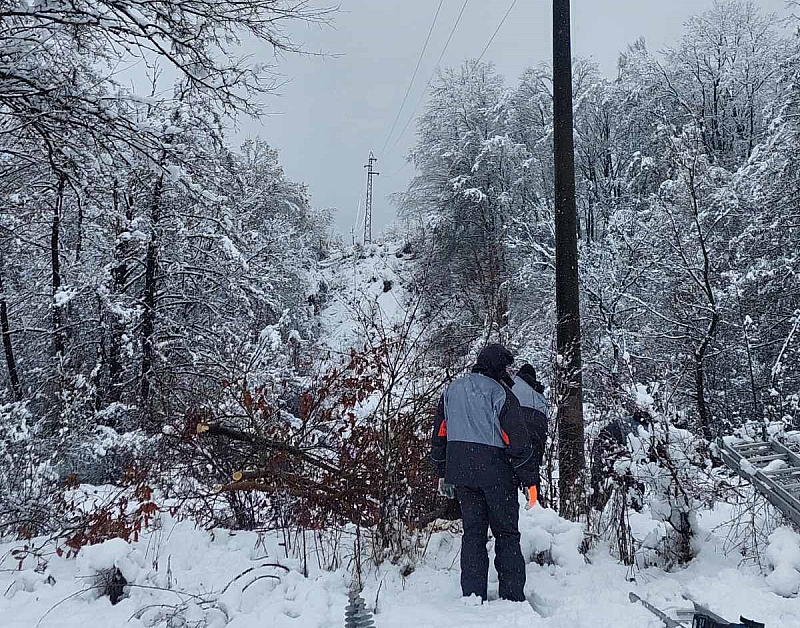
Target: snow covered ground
point(363, 282)
point(184, 577)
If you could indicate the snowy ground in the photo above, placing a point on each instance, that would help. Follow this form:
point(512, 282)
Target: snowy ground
point(204, 578)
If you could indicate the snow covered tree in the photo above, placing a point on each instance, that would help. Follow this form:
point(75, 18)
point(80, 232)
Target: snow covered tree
point(722, 76)
point(765, 257)
point(470, 185)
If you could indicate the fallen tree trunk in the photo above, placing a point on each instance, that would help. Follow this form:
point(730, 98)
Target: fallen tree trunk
point(260, 487)
point(253, 475)
point(449, 511)
point(257, 441)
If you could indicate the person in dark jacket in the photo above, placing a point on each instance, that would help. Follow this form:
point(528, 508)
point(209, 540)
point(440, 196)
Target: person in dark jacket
point(482, 452)
point(609, 447)
point(533, 408)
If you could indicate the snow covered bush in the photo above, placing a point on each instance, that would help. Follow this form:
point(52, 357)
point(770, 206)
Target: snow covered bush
point(26, 476)
point(40, 469)
point(657, 484)
point(346, 447)
point(93, 516)
point(547, 538)
point(668, 461)
point(783, 558)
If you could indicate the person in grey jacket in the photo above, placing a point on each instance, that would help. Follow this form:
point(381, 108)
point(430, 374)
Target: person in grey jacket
point(529, 391)
point(483, 453)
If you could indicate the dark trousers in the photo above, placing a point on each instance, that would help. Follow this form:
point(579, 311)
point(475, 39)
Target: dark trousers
point(482, 507)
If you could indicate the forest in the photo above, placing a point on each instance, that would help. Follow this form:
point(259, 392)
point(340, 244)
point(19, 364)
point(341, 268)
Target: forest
point(186, 339)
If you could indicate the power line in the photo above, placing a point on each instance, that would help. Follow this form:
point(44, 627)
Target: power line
point(483, 53)
point(497, 30)
point(413, 76)
point(357, 223)
point(430, 79)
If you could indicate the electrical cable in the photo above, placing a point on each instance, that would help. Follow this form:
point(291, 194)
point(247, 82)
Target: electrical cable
point(497, 30)
point(433, 74)
point(358, 225)
point(413, 76)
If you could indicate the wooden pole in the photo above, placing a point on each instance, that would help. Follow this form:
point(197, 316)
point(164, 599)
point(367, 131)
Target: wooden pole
point(568, 333)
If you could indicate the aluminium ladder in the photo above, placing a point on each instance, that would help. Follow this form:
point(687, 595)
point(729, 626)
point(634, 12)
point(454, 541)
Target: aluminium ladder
point(699, 615)
point(755, 462)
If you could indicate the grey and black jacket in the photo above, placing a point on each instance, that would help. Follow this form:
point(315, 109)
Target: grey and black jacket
point(479, 438)
point(533, 410)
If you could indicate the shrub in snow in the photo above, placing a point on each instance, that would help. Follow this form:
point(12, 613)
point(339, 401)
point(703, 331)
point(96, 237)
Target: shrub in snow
point(547, 538)
point(318, 295)
point(25, 475)
point(783, 557)
point(764, 429)
point(40, 470)
point(657, 471)
point(102, 455)
point(351, 449)
point(668, 461)
point(109, 567)
point(121, 514)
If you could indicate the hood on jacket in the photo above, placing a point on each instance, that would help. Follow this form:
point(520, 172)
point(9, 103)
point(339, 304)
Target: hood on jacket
point(492, 362)
point(528, 374)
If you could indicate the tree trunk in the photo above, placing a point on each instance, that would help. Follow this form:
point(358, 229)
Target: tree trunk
point(79, 229)
point(700, 394)
point(11, 361)
point(699, 363)
point(711, 331)
point(120, 275)
point(749, 352)
point(571, 456)
point(55, 231)
point(148, 317)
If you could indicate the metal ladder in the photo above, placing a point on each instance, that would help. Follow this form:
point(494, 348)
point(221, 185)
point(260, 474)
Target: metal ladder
point(781, 486)
point(699, 615)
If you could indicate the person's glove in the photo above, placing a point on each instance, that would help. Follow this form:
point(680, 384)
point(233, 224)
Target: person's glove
point(446, 490)
point(531, 496)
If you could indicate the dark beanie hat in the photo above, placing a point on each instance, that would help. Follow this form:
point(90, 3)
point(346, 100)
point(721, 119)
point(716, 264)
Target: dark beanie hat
point(527, 373)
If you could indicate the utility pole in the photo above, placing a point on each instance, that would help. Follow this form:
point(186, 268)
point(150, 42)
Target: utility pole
point(368, 210)
point(572, 460)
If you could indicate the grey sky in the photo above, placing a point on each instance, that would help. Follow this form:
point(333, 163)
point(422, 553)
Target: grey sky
point(334, 110)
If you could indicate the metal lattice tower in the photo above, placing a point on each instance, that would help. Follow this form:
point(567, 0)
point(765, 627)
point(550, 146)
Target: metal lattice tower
point(368, 210)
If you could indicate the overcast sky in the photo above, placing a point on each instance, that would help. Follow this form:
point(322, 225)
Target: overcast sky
point(335, 109)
